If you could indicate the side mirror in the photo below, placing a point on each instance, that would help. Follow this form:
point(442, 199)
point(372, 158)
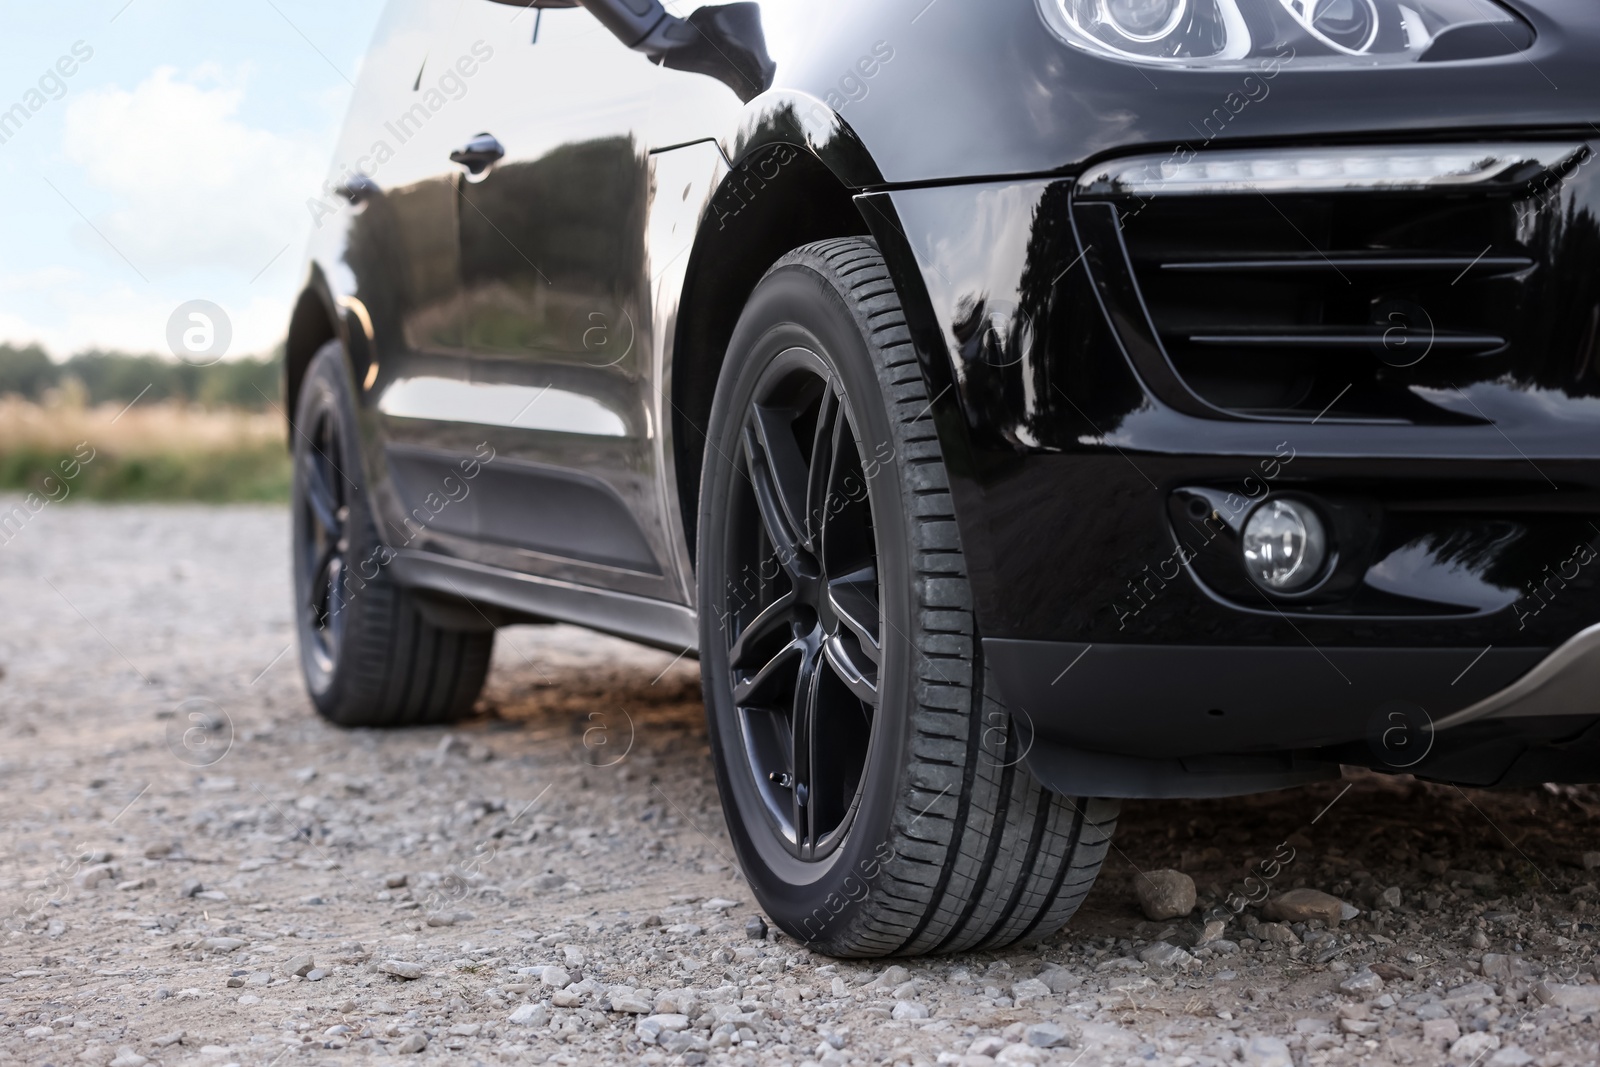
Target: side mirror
point(724, 41)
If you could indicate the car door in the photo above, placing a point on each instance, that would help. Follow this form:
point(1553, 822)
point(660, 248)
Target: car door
point(386, 226)
point(555, 301)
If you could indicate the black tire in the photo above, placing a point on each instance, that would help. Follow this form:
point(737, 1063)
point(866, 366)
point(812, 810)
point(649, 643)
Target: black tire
point(921, 830)
point(368, 651)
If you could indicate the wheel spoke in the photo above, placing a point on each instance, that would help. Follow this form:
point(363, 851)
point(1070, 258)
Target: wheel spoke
point(804, 724)
point(318, 586)
point(754, 687)
point(854, 599)
point(785, 538)
point(863, 685)
point(764, 625)
point(325, 595)
point(322, 499)
point(820, 476)
point(774, 431)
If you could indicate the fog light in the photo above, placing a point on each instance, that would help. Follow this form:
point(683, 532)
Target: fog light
point(1284, 545)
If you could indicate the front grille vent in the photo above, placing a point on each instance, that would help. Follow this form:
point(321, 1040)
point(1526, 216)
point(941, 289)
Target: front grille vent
point(1364, 306)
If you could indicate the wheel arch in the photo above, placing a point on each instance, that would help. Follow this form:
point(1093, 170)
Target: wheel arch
point(312, 324)
point(795, 171)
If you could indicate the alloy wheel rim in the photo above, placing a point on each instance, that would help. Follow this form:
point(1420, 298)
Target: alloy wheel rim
point(804, 621)
point(324, 516)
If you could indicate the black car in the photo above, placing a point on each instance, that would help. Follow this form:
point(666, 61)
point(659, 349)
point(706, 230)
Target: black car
point(1016, 406)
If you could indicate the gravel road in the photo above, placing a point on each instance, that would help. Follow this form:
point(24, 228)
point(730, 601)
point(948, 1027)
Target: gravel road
point(197, 870)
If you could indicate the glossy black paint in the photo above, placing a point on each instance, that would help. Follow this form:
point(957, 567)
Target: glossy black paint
point(596, 268)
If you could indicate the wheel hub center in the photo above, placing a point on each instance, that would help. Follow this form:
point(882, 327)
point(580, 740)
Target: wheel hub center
point(814, 612)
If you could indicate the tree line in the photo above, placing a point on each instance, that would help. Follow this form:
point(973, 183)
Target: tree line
point(118, 377)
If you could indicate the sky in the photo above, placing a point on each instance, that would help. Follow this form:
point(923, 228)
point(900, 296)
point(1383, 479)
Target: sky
point(172, 164)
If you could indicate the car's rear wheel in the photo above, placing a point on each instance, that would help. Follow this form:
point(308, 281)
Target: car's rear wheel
point(873, 787)
point(368, 650)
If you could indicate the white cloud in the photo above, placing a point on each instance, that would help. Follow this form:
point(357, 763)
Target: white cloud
point(192, 185)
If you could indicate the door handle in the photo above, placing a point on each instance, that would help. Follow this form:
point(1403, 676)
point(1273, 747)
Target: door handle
point(479, 153)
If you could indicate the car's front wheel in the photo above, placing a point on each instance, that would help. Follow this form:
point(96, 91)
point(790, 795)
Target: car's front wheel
point(873, 787)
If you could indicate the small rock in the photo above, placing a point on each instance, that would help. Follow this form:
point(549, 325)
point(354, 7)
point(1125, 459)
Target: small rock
point(1264, 1051)
point(1590, 860)
point(401, 969)
point(1045, 1035)
point(126, 1057)
point(316, 974)
point(1029, 990)
point(299, 966)
point(163, 1040)
point(91, 877)
point(1470, 1047)
point(216, 895)
point(394, 881)
point(1302, 905)
point(38, 1032)
point(1059, 979)
point(1510, 1056)
point(234, 982)
point(1472, 991)
point(573, 955)
point(755, 928)
point(556, 978)
point(449, 918)
point(412, 1043)
point(536, 1015)
point(986, 1046)
point(909, 1009)
point(892, 976)
point(221, 944)
point(1358, 1026)
point(133, 884)
point(189, 887)
point(632, 1003)
point(1498, 965)
point(1162, 954)
point(1389, 898)
point(1277, 933)
point(1164, 894)
point(1211, 932)
point(1440, 1032)
point(650, 1028)
point(1361, 982)
point(1020, 1055)
point(1575, 998)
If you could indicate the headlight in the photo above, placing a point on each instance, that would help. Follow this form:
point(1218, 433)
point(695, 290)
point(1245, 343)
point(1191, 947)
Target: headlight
point(1311, 32)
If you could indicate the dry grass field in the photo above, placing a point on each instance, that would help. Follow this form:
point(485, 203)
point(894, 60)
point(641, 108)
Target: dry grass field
point(164, 451)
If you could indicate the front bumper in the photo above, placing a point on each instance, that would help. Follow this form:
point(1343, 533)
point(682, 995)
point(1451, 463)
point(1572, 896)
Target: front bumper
point(1191, 721)
point(1100, 464)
